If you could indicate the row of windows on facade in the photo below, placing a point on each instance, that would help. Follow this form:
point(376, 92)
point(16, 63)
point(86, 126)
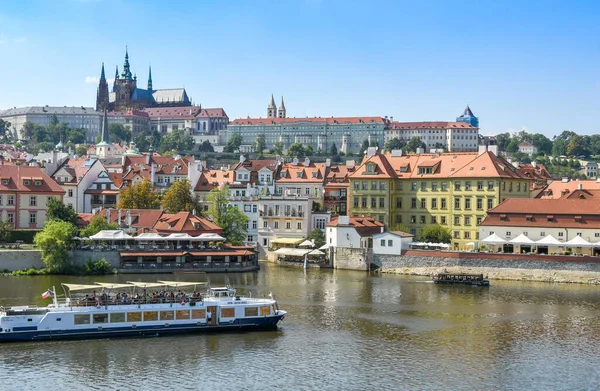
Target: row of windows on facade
point(288, 225)
point(10, 200)
point(442, 220)
point(543, 234)
point(10, 218)
point(364, 185)
point(288, 210)
point(363, 203)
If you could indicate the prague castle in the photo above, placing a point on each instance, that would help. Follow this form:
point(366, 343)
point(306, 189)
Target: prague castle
point(125, 94)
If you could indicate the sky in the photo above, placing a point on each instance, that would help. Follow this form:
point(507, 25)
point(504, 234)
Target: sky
point(531, 65)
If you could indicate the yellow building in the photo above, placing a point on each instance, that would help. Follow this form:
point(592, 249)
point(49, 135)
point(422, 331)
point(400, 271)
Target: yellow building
point(453, 190)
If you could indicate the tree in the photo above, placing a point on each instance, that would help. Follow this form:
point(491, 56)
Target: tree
point(542, 143)
point(260, 144)
point(117, 133)
point(414, 143)
point(179, 198)
point(434, 234)
point(399, 227)
point(233, 221)
point(513, 145)
point(308, 150)
point(559, 147)
point(295, 150)
point(27, 130)
point(278, 148)
point(97, 224)
point(139, 196)
point(395, 143)
point(75, 136)
point(502, 140)
point(59, 211)
point(234, 143)
point(5, 129)
point(333, 151)
point(5, 230)
point(206, 146)
point(317, 236)
point(364, 146)
point(81, 150)
point(55, 241)
point(177, 140)
point(577, 146)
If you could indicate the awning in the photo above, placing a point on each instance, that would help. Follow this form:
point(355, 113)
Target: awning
point(493, 239)
point(111, 285)
point(146, 284)
point(287, 240)
point(209, 237)
point(307, 243)
point(177, 284)
point(578, 241)
point(179, 236)
point(521, 240)
point(294, 252)
point(549, 240)
point(324, 247)
point(149, 236)
point(316, 252)
point(110, 234)
point(81, 287)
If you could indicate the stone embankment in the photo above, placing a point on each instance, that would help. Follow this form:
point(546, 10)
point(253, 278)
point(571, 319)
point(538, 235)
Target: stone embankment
point(521, 268)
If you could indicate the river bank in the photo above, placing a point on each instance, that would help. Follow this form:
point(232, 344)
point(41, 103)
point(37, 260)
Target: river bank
point(538, 275)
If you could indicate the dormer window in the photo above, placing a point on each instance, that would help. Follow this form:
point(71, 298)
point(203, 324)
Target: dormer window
point(38, 183)
point(315, 174)
point(578, 219)
point(371, 167)
point(299, 174)
point(26, 182)
point(549, 217)
point(5, 181)
point(196, 225)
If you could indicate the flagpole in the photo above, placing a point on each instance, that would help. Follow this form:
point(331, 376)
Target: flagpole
point(54, 299)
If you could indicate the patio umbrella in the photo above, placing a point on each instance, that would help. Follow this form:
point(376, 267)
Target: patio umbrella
point(522, 240)
point(578, 241)
point(316, 252)
point(306, 243)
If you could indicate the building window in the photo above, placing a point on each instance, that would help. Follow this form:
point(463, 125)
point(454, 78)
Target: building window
point(422, 220)
point(423, 186)
point(299, 225)
point(10, 200)
point(444, 186)
point(443, 220)
point(414, 186)
point(382, 202)
point(456, 234)
point(490, 203)
point(467, 235)
point(423, 203)
point(373, 185)
point(382, 242)
point(413, 219)
point(561, 234)
point(373, 202)
point(479, 185)
point(490, 185)
point(434, 203)
point(467, 220)
point(265, 224)
point(0, 200)
point(468, 185)
point(456, 220)
point(276, 225)
point(433, 220)
point(443, 203)
point(457, 185)
point(398, 202)
point(70, 193)
point(390, 243)
point(10, 217)
point(365, 186)
point(356, 202)
point(33, 201)
point(434, 186)
point(356, 185)
point(456, 203)
point(398, 185)
point(413, 203)
point(254, 224)
point(542, 234)
point(288, 225)
point(467, 203)
point(381, 185)
point(479, 220)
point(364, 202)
point(480, 203)
point(32, 218)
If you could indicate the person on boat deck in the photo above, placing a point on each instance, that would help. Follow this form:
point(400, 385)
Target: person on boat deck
point(209, 315)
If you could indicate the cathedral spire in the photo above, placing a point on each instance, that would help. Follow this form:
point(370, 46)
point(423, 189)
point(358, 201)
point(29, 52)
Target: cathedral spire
point(149, 78)
point(116, 78)
point(126, 71)
point(272, 109)
point(102, 93)
point(102, 76)
point(282, 112)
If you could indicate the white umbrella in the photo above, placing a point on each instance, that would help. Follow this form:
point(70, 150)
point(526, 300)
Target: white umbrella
point(493, 239)
point(316, 252)
point(521, 240)
point(326, 246)
point(110, 234)
point(578, 241)
point(549, 240)
point(149, 236)
point(306, 243)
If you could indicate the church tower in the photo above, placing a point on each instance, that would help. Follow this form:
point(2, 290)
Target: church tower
point(272, 109)
point(468, 117)
point(114, 88)
point(149, 78)
point(281, 112)
point(102, 94)
point(125, 86)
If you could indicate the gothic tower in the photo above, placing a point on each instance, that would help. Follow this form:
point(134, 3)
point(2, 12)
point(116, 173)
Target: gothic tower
point(114, 88)
point(102, 94)
point(149, 78)
point(272, 109)
point(281, 111)
point(125, 86)
point(468, 117)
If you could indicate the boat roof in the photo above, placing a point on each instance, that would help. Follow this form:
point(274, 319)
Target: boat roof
point(111, 285)
point(80, 287)
point(177, 284)
point(143, 284)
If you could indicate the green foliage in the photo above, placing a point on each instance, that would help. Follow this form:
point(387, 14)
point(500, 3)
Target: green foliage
point(99, 267)
point(117, 133)
point(233, 221)
point(147, 139)
point(259, 145)
point(179, 198)
point(81, 150)
point(5, 132)
point(295, 150)
point(24, 235)
point(308, 150)
point(177, 140)
point(6, 229)
point(317, 236)
point(97, 224)
point(434, 234)
point(139, 196)
point(55, 240)
point(399, 227)
point(513, 145)
point(414, 143)
point(206, 146)
point(278, 148)
point(233, 145)
point(59, 211)
point(395, 143)
point(333, 151)
point(364, 146)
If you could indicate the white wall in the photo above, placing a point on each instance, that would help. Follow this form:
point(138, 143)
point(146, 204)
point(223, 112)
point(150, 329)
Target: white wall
point(537, 233)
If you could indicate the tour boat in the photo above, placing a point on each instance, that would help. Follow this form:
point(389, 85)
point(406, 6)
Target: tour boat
point(461, 278)
point(109, 310)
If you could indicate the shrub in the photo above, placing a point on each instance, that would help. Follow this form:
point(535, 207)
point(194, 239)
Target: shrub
point(98, 267)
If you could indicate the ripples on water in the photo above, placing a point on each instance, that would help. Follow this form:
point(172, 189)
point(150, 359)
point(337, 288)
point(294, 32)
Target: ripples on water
point(344, 331)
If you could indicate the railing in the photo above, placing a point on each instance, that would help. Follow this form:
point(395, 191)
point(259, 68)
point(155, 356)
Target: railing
point(149, 248)
point(187, 266)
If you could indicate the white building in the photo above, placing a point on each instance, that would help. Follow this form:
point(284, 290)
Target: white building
point(452, 136)
point(282, 217)
point(527, 148)
point(391, 243)
point(80, 117)
point(349, 232)
point(75, 176)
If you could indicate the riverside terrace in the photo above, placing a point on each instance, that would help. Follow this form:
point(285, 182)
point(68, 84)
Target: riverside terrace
point(177, 253)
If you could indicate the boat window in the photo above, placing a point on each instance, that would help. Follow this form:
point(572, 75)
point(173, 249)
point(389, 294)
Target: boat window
point(134, 316)
point(81, 319)
point(265, 310)
point(167, 315)
point(251, 311)
point(150, 316)
point(182, 314)
point(100, 318)
point(58, 319)
point(227, 312)
point(198, 314)
point(118, 317)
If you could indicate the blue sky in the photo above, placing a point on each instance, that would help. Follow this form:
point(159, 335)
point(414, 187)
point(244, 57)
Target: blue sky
point(532, 64)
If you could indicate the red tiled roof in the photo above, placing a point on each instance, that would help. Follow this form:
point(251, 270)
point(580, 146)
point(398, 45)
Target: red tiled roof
point(365, 226)
point(128, 113)
point(214, 178)
point(402, 234)
point(75, 168)
point(328, 121)
point(116, 178)
point(212, 113)
point(313, 173)
point(183, 112)
point(16, 174)
point(563, 206)
point(185, 222)
point(559, 189)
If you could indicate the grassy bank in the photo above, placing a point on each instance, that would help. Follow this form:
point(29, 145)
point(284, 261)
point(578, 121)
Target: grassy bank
point(542, 275)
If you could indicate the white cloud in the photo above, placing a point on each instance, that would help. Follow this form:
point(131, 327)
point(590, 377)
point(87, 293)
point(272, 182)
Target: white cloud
point(92, 79)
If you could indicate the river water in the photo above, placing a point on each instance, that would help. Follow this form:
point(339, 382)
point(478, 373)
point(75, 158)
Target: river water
point(344, 331)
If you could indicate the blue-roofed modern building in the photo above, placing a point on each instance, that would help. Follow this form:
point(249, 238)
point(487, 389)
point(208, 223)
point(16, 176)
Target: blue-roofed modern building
point(469, 118)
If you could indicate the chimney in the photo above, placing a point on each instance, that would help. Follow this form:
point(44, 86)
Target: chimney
point(128, 218)
point(153, 173)
point(295, 161)
point(147, 159)
point(396, 153)
point(122, 160)
point(580, 186)
point(327, 162)
point(565, 179)
point(306, 162)
point(420, 151)
point(108, 215)
point(242, 158)
point(533, 164)
point(482, 149)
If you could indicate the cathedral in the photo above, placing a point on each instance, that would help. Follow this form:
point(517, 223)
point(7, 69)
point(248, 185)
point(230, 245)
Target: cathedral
point(125, 94)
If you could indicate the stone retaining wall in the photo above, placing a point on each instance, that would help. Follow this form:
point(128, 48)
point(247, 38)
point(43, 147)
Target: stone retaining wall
point(26, 259)
point(520, 268)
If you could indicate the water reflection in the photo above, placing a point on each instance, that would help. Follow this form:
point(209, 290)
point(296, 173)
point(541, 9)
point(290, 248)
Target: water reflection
point(345, 330)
